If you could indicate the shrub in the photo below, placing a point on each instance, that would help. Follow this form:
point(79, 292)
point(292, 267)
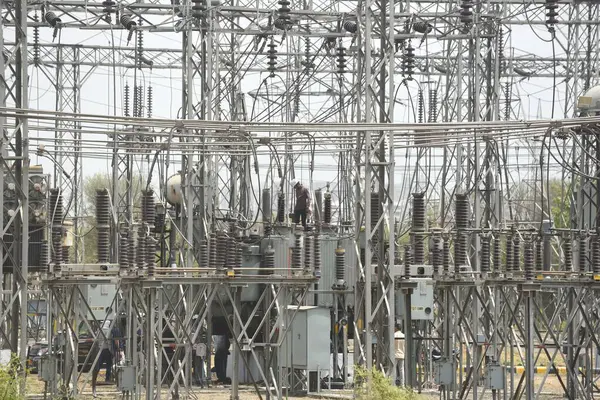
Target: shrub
point(10, 379)
point(380, 387)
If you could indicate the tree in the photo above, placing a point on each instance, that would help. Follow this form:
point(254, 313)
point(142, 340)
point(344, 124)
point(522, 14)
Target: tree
point(87, 230)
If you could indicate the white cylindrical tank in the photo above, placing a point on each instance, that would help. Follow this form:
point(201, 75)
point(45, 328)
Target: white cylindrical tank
point(173, 190)
point(589, 103)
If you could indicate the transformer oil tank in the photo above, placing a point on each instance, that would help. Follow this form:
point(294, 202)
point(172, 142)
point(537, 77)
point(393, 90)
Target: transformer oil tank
point(173, 190)
point(250, 259)
point(329, 242)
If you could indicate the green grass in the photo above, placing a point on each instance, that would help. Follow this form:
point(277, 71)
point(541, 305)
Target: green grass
point(10, 379)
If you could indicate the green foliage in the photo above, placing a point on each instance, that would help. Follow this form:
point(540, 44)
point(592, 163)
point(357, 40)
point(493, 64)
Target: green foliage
point(10, 380)
point(374, 385)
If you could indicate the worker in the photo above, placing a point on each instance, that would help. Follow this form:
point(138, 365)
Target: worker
point(221, 354)
point(302, 207)
point(399, 355)
point(109, 342)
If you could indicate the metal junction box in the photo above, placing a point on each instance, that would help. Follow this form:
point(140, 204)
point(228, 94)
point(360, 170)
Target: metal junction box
point(307, 343)
point(421, 300)
point(444, 373)
point(494, 377)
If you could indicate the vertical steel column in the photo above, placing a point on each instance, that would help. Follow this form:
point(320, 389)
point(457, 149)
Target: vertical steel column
point(4, 334)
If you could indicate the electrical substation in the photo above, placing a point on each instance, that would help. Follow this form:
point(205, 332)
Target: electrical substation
point(260, 197)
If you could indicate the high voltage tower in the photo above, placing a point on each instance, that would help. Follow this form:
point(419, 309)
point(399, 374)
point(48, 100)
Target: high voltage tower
point(440, 205)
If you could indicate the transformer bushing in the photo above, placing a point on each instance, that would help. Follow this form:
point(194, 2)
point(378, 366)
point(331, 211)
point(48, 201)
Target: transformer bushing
point(408, 260)
point(266, 206)
point(485, 254)
point(308, 252)
point(44, 256)
point(269, 260)
point(437, 254)
point(281, 208)
point(327, 209)
point(497, 254)
point(596, 257)
point(151, 245)
point(55, 207)
point(318, 205)
point(221, 250)
point(418, 227)
point(297, 250)
point(231, 253)
point(446, 256)
point(582, 265)
point(568, 252)
point(340, 268)
point(212, 251)
point(140, 254)
point(516, 254)
point(131, 250)
point(528, 261)
point(103, 225)
point(317, 254)
point(204, 256)
point(148, 208)
point(124, 252)
point(462, 223)
point(539, 256)
point(239, 254)
point(509, 254)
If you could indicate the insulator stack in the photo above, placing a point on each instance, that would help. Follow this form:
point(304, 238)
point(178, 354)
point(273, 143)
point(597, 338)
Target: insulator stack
point(509, 254)
point(418, 227)
point(272, 57)
point(341, 59)
point(270, 259)
point(422, 27)
point(284, 14)
point(340, 266)
point(36, 40)
point(307, 57)
point(140, 254)
point(516, 259)
point(408, 260)
point(375, 213)
point(446, 256)
point(131, 250)
point(528, 262)
point(65, 254)
point(420, 106)
point(151, 245)
point(497, 255)
point(539, 256)
point(140, 101)
point(501, 58)
point(135, 100)
point(583, 255)
point(266, 206)
point(230, 258)
point(204, 256)
point(551, 13)
point(109, 7)
point(596, 256)
point(437, 254)
point(127, 21)
point(55, 206)
point(124, 252)
point(408, 61)
point(317, 254)
point(327, 211)
point(308, 252)
point(568, 251)
point(507, 101)
point(44, 254)
point(350, 26)
point(103, 225)
point(297, 250)
point(148, 207)
point(485, 254)
point(150, 101)
point(433, 112)
point(51, 18)
point(159, 222)
point(221, 250)
point(140, 53)
point(462, 223)
point(239, 254)
point(198, 8)
point(126, 100)
point(466, 12)
point(280, 208)
point(212, 251)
